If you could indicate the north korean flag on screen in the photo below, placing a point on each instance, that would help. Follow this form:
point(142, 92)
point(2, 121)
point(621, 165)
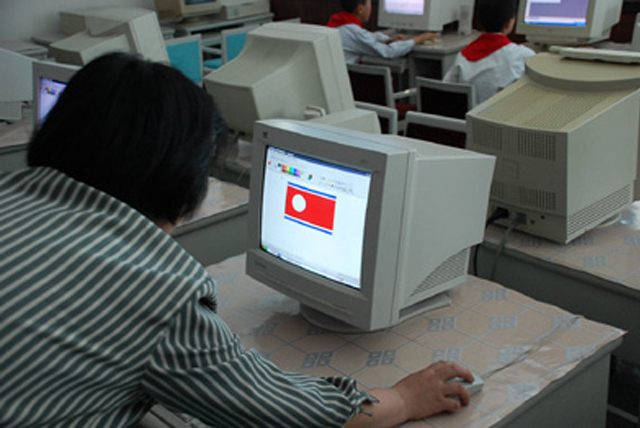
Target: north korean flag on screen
point(310, 208)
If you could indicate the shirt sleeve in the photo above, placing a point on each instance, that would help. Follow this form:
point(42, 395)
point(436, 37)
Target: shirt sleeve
point(200, 368)
point(359, 41)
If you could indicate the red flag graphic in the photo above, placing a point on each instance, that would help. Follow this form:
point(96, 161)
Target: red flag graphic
point(311, 208)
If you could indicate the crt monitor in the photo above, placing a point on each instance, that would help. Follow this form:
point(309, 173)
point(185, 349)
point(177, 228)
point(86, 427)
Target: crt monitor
point(284, 70)
point(567, 22)
point(420, 15)
point(365, 230)
point(180, 9)
point(112, 29)
point(566, 140)
point(49, 81)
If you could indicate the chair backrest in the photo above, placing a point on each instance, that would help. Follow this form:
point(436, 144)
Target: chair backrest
point(443, 98)
point(185, 54)
point(371, 84)
point(437, 129)
point(387, 116)
point(233, 41)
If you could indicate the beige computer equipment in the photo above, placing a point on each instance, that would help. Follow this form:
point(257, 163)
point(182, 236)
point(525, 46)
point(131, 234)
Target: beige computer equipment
point(566, 140)
point(288, 71)
point(116, 29)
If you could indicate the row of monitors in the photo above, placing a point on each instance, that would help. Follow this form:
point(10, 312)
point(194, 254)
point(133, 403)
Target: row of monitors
point(382, 225)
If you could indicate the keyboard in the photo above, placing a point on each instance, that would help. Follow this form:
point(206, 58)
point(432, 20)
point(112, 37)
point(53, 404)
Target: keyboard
point(605, 55)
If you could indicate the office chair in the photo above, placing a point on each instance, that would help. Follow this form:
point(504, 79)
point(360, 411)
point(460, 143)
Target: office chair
point(387, 116)
point(437, 129)
point(233, 40)
point(373, 84)
point(185, 54)
point(443, 98)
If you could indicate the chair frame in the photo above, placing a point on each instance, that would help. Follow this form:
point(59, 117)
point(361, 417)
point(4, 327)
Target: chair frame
point(455, 88)
point(434, 121)
point(188, 39)
point(389, 113)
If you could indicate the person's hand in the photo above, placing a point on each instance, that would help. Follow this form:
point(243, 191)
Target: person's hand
point(417, 396)
point(423, 37)
point(397, 37)
point(427, 391)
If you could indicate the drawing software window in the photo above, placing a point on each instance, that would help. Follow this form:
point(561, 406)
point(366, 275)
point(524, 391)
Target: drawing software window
point(313, 215)
point(557, 12)
point(405, 7)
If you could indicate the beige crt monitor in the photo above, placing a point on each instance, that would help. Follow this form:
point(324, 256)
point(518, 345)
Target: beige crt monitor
point(285, 71)
point(364, 230)
point(566, 139)
point(111, 29)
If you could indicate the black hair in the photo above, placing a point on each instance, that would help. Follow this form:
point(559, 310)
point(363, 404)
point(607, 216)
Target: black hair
point(493, 15)
point(351, 5)
point(139, 131)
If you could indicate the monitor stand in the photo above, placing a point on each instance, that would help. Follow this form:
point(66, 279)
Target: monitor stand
point(330, 323)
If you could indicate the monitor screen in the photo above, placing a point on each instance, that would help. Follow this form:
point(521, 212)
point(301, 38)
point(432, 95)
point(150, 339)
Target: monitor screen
point(49, 81)
point(363, 229)
point(50, 91)
point(405, 7)
point(420, 15)
point(566, 12)
point(313, 214)
point(567, 22)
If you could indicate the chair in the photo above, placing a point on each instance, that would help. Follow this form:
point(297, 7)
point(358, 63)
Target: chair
point(185, 54)
point(437, 129)
point(443, 98)
point(373, 84)
point(387, 116)
point(233, 40)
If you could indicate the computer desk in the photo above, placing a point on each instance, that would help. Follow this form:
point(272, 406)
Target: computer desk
point(219, 228)
point(13, 144)
point(433, 60)
point(562, 383)
point(596, 275)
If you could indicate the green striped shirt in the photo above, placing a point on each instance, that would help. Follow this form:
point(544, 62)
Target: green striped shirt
point(102, 315)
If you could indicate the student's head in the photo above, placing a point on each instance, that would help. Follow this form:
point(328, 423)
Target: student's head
point(360, 8)
point(137, 130)
point(496, 16)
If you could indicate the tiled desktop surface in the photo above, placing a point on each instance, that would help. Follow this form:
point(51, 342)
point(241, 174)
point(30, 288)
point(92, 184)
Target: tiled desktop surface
point(610, 252)
point(484, 328)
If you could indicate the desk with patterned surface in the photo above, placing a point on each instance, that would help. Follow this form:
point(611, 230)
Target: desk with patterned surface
point(597, 275)
point(561, 383)
point(219, 229)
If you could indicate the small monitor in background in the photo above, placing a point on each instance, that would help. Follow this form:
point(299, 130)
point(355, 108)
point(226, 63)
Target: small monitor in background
point(421, 15)
point(181, 9)
point(185, 54)
point(364, 230)
point(567, 22)
point(49, 81)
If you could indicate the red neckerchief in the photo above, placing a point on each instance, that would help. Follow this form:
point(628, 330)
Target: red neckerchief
point(484, 46)
point(343, 18)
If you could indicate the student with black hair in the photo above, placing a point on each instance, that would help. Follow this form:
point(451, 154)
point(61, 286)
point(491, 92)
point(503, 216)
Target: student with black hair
point(358, 42)
point(492, 61)
point(103, 314)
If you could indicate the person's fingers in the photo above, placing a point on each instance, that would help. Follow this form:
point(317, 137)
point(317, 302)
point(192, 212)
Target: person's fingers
point(456, 389)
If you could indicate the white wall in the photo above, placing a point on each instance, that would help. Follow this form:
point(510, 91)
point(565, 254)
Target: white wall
point(20, 19)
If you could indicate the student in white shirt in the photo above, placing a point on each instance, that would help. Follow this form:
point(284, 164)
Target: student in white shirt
point(358, 42)
point(492, 61)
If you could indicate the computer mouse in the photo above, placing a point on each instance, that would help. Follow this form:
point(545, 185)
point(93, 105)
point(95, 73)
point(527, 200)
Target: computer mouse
point(473, 387)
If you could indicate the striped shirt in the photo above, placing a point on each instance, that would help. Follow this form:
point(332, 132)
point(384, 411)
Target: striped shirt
point(102, 315)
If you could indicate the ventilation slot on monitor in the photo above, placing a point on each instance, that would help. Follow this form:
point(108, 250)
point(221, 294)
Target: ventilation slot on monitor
point(518, 195)
point(514, 104)
point(566, 110)
point(598, 211)
point(536, 145)
point(452, 268)
point(487, 135)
